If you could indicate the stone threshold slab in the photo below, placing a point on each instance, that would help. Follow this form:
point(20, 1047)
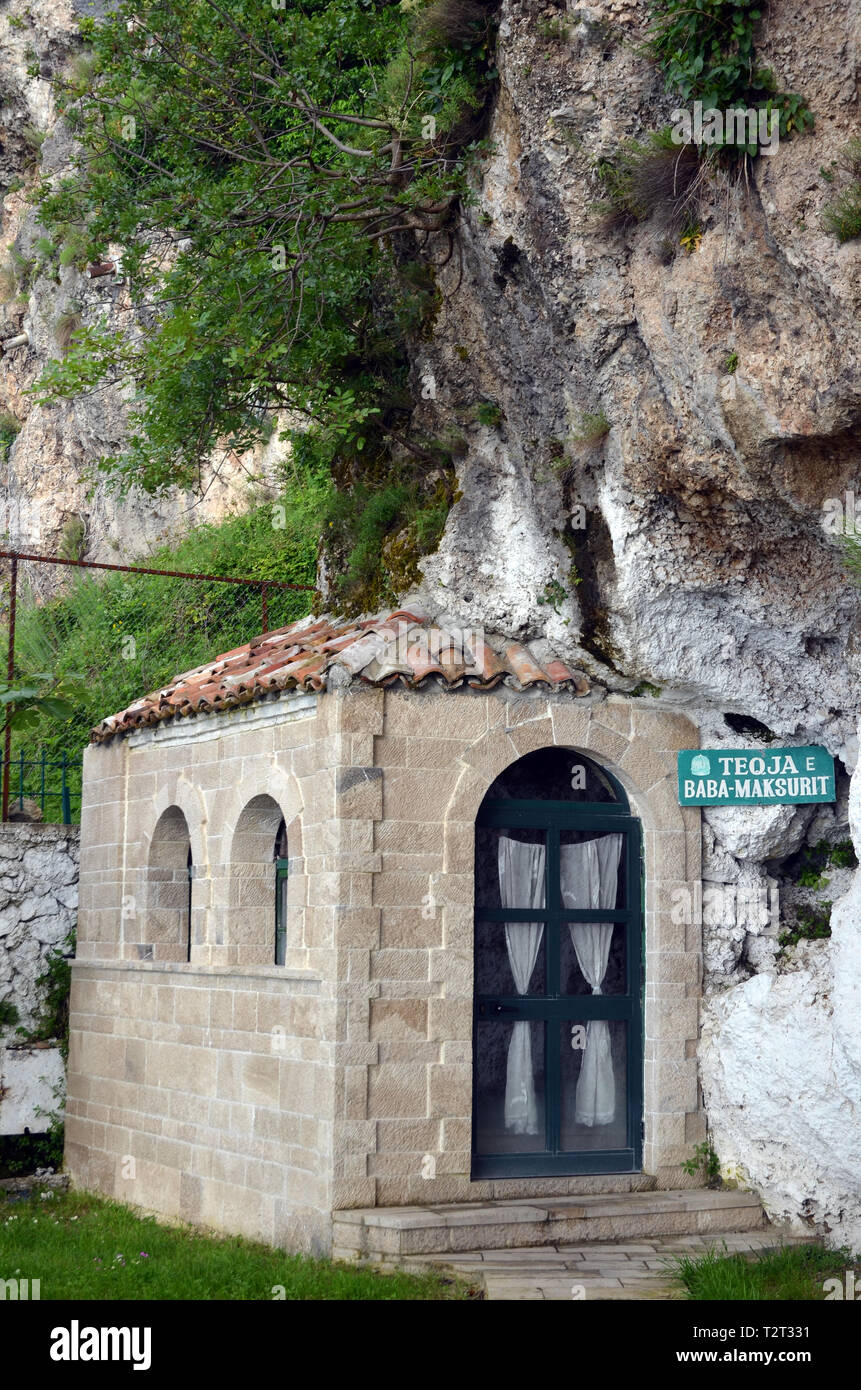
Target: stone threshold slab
point(534, 1209)
point(644, 1218)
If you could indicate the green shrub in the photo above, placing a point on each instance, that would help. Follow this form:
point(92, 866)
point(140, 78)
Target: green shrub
point(553, 594)
point(555, 30)
point(593, 425)
point(173, 624)
point(646, 688)
point(9, 1014)
point(843, 856)
point(381, 533)
point(54, 984)
point(488, 413)
point(707, 53)
point(10, 428)
point(33, 141)
point(704, 1161)
point(843, 216)
point(811, 924)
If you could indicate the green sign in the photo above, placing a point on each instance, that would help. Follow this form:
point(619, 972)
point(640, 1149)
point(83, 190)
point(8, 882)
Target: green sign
point(746, 777)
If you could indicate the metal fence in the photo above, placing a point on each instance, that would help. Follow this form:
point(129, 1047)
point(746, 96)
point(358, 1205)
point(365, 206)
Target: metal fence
point(52, 784)
point(55, 780)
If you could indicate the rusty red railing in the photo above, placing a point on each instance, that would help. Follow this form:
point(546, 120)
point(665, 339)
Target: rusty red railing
point(14, 556)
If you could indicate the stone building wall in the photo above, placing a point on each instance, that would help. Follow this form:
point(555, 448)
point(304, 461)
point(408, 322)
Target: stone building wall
point(260, 1098)
point(205, 1090)
point(410, 1033)
point(38, 906)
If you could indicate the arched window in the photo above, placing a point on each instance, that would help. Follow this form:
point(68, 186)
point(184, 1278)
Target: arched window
point(166, 919)
point(253, 920)
point(281, 870)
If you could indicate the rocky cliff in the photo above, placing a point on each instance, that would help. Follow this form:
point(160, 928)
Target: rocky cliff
point(672, 422)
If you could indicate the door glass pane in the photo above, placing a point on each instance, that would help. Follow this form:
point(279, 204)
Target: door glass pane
point(509, 1088)
point(510, 868)
point(594, 1085)
point(593, 953)
point(592, 869)
point(511, 958)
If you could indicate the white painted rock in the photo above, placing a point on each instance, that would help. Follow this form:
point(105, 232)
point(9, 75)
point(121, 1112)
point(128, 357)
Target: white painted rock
point(759, 832)
point(780, 1059)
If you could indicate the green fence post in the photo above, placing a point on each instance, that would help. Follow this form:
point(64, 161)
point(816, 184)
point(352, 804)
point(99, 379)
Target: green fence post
point(67, 805)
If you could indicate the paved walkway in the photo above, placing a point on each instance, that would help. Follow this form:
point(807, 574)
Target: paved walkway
point(635, 1270)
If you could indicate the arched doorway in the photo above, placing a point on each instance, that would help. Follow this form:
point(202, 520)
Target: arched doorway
point(557, 1036)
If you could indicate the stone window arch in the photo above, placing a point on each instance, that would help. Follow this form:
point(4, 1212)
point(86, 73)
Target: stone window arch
point(257, 901)
point(166, 931)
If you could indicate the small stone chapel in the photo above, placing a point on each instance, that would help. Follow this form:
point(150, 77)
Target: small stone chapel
point(379, 915)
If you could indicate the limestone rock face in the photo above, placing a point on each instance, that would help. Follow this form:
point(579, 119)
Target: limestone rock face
point(45, 478)
point(673, 430)
point(38, 908)
point(781, 1071)
point(703, 566)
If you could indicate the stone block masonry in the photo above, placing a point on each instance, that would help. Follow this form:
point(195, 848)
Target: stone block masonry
point(214, 1086)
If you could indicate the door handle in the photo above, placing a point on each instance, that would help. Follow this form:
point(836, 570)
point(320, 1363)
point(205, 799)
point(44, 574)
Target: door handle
point(504, 1009)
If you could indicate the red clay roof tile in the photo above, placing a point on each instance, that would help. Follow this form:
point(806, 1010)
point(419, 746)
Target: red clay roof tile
point(406, 645)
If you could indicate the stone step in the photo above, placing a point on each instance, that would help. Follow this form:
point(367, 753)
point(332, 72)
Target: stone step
point(386, 1234)
point(598, 1272)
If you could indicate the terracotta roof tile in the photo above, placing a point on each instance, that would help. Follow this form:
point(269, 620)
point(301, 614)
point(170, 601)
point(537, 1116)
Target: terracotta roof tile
point(406, 646)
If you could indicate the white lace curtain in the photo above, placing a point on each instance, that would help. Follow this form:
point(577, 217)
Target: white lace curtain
point(521, 884)
point(589, 873)
point(588, 879)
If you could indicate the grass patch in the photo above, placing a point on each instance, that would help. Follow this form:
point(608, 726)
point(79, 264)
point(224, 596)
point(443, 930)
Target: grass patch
point(68, 324)
point(84, 1247)
point(647, 177)
point(792, 1272)
point(843, 216)
point(592, 426)
point(9, 431)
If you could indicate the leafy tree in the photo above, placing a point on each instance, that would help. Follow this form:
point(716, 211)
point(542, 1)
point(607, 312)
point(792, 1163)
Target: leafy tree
point(265, 170)
point(44, 694)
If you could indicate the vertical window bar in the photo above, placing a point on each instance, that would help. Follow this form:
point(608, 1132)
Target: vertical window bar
point(190, 872)
point(281, 873)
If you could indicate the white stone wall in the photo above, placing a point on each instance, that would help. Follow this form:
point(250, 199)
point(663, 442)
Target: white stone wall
point(32, 1080)
point(38, 907)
